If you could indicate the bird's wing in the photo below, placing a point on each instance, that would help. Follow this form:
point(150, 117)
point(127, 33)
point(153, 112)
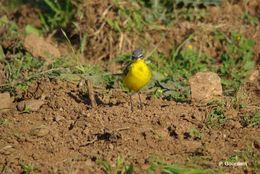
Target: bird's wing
point(126, 70)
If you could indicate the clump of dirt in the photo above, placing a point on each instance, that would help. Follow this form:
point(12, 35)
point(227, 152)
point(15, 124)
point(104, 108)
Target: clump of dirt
point(39, 47)
point(69, 139)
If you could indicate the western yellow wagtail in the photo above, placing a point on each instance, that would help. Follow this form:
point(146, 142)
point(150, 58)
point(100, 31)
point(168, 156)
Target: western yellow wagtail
point(136, 75)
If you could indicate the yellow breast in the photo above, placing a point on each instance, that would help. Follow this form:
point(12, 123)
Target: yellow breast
point(138, 75)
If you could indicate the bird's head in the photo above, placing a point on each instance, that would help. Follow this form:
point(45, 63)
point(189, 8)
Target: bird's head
point(137, 54)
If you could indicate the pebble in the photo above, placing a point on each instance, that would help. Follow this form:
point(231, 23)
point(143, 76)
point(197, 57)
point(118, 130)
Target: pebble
point(39, 131)
point(7, 150)
point(32, 105)
point(58, 118)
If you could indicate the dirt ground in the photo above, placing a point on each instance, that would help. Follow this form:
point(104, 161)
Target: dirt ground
point(67, 135)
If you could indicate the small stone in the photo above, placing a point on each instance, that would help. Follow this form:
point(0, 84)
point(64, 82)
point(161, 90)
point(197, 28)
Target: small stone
point(7, 150)
point(205, 86)
point(40, 47)
point(58, 118)
point(84, 113)
point(111, 146)
point(39, 131)
point(6, 102)
point(254, 75)
point(34, 105)
point(20, 106)
point(31, 105)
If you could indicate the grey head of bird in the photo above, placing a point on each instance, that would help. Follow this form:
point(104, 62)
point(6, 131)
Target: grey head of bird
point(137, 54)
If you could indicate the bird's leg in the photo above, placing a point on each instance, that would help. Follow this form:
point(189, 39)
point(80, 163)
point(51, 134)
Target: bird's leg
point(140, 101)
point(131, 102)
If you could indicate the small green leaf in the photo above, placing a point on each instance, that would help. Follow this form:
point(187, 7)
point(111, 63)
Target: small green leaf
point(105, 165)
point(31, 29)
point(113, 24)
point(130, 169)
point(2, 54)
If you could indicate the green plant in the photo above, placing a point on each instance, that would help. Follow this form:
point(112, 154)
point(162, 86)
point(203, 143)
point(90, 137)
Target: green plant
point(20, 71)
point(2, 54)
point(249, 19)
point(130, 18)
point(199, 2)
point(10, 33)
point(195, 133)
point(248, 157)
point(154, 167)
point(190, 14)
point(236, 60)
point(172, 73)
point(158, 11)
point(188, 61)
point(233, 158)
point(27, 168)
point(120, 167)
point(68, 69)
point(172, 88)
point(23, 68)
point(251, 119)
point(3, 121)
point(169, 11)
point(216, 116)
point(10, 5)
point(26, 109)
point(177, 169)
point(57, 13)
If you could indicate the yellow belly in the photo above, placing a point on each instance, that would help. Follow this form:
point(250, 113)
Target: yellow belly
point(138, 76)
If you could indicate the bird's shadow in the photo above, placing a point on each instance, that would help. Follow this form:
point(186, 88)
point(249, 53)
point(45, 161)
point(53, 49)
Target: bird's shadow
point(84, 98)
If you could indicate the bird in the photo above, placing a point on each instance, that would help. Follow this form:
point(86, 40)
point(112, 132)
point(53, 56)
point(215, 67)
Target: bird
point(136, 75)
